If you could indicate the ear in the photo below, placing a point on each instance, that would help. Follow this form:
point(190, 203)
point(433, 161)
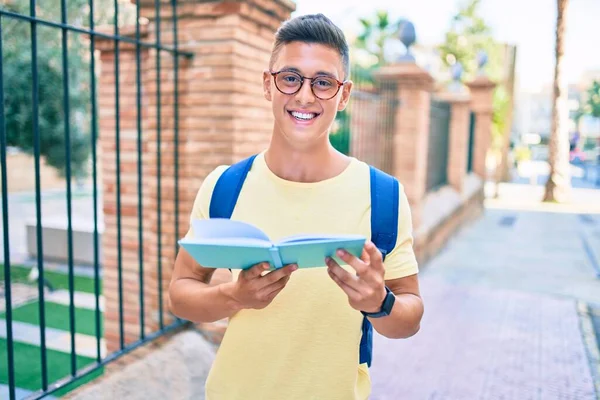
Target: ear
point(267, 84)
point(346, 90)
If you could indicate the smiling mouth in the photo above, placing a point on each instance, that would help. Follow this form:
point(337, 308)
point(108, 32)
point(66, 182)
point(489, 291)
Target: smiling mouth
point(300, 116)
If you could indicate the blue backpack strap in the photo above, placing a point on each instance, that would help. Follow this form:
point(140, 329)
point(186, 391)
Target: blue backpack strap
point(228, 187)
point(385, 197)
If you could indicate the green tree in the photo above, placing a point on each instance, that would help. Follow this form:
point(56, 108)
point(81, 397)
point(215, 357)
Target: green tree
point(592, 104)
point(376, 30)
point(18, 83)
point(469, 35)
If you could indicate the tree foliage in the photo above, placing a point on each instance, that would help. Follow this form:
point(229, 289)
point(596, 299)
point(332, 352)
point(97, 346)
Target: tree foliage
point(376, 30)
point(469, 35)
point(18, 65)
point(591, 106)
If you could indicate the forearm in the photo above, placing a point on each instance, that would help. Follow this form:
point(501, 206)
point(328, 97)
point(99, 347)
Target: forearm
point(404, 320)
point(197, 302)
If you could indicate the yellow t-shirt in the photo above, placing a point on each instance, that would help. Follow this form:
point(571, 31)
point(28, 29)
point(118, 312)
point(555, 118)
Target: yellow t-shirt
point(305, 344)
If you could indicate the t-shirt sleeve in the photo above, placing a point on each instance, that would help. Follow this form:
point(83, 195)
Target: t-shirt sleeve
point(202, 201)
point(401, 261)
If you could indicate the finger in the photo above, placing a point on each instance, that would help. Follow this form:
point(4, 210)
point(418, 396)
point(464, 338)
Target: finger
point(276, 275)
point(342, 275)
point(255, 271)
point(356, 263)
point(374, 255)
point(349, 290)
point(275, 286)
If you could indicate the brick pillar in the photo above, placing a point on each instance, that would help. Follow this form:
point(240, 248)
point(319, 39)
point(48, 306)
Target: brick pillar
point(365, 121)
point(482, 92)
point(129, 219)
point(223, 116)
point(411, 131)
point(459, 137)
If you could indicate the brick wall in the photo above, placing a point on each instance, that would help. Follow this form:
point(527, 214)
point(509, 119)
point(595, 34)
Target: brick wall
point(222, 117)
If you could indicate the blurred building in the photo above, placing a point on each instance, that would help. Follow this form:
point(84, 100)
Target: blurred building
point(532, 124)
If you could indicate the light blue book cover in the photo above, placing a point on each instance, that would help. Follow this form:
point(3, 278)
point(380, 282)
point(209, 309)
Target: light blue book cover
point(225, 243)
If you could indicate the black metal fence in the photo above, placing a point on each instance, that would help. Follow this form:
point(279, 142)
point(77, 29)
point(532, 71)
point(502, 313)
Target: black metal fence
point(437, 155)
point(471, 142)
point(365, 129)
point(71, 58)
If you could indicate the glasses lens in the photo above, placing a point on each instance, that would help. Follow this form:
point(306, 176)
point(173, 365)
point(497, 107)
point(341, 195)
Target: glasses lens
point(324, 87)
point(288, 82)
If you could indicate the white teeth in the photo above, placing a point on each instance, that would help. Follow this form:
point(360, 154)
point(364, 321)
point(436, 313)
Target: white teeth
point(303, 116)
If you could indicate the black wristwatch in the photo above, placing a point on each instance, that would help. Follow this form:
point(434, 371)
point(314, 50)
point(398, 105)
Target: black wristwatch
point(386, 307)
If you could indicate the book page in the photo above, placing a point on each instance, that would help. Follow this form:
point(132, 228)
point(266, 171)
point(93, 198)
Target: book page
point(221, 228)
point(305, 238)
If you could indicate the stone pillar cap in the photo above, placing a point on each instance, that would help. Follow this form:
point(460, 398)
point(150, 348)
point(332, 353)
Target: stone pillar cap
point(481, 82)
point(453, 97)
point(405, 74)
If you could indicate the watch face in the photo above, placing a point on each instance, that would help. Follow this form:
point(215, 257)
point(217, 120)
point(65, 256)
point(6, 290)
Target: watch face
point(389, 303)
point(386, 307)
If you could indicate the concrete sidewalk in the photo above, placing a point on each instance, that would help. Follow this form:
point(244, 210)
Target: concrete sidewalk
point(502, 319)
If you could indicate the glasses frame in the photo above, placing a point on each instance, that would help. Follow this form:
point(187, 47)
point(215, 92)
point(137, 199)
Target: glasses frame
point(303, 78)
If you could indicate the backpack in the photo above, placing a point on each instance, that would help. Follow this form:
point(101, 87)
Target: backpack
point(384, 219)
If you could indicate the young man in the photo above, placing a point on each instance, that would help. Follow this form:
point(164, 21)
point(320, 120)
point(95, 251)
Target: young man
point(295, 334)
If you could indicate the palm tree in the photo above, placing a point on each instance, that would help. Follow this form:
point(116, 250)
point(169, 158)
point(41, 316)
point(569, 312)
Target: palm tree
point(559, 181)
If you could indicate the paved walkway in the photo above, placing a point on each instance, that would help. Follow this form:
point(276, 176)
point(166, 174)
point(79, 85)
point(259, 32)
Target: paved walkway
point(501, 319)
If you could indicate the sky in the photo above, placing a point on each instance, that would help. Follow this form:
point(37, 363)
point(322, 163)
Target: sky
point(528, 24)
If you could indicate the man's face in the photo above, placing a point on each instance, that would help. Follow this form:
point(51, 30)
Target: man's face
point(303, 119)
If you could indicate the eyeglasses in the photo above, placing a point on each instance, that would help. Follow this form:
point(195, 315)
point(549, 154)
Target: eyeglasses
point(322, 86)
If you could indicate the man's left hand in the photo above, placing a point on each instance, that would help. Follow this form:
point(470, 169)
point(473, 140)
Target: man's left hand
point(365, 289)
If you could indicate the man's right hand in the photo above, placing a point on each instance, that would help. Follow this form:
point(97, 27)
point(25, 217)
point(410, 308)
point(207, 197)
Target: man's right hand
point(255, 290)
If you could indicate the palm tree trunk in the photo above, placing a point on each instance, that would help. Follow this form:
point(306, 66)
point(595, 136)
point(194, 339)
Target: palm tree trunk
point(559, 181)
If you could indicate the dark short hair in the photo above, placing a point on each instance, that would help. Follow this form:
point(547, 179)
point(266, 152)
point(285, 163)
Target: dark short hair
point(312, 28)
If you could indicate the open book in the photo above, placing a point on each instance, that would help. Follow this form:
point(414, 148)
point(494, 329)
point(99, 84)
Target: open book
point(224, 243)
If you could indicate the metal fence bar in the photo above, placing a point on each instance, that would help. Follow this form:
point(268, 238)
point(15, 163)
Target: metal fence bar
point(38, 195)
point(94, 129)
point(118, 180)
point(158, 167)
point(470, 143)
point(389, 134)
point(47, 387)
point(7, 288)
point(116, 37)
point(66, 108)
point(138, 80)
point(176, 122)
point(437, 152)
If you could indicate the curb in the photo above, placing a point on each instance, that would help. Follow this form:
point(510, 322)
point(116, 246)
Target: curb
point(590, 342)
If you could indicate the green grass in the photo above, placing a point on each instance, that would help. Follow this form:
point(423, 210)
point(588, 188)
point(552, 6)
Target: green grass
point(28, 367)
point(58, 280)
point(57, 317)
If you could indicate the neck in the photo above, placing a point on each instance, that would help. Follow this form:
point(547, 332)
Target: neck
point(312, 164)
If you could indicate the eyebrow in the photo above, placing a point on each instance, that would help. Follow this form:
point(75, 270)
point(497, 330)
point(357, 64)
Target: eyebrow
point(293, 69)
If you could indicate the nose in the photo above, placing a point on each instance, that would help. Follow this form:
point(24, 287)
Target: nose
point(305, 94)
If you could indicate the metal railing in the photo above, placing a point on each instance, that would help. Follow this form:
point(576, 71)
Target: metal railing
point(437, 154)
point(471, 142)
point(366, 127)
point(90, 35)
